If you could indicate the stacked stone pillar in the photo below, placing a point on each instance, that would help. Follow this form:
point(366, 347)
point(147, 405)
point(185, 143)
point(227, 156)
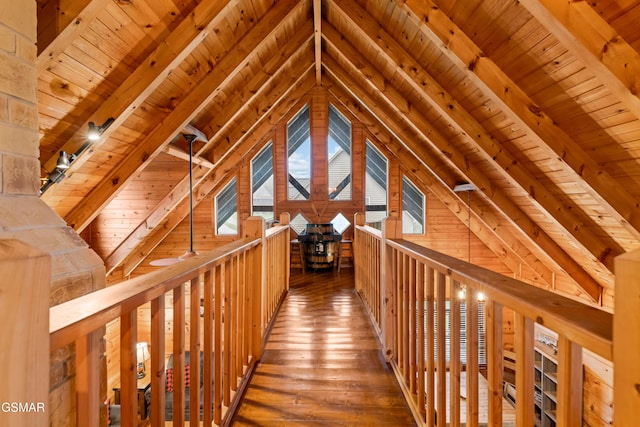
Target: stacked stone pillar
point(75, 268)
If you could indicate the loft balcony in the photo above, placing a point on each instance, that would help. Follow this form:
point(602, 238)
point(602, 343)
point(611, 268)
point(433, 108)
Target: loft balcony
point(355, 347)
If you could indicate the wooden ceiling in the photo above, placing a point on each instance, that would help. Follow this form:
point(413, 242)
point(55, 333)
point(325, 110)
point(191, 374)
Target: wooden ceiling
point(535, 102)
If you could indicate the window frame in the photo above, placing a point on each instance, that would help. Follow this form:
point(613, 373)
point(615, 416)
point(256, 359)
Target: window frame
point(423, 221)
point(234, 181)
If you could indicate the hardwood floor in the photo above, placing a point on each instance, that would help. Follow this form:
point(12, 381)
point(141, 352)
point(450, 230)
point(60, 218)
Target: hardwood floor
point(322, 364)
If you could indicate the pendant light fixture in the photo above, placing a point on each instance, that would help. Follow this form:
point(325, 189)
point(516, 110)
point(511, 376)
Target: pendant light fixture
point(163, 262)
point(465, 186)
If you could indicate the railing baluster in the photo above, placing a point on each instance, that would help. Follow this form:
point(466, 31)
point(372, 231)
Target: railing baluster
point(441, 369)
point(404, 316)
point(128, 378)
point(178, 355)
point(240, 317)
point(494, 362)
point(412, 326)
point(207, 373)
point(569, 394)
point(248, 308)
point(232, 347)
point(158, 373)
point(377, 301)
point(217, 344)
point(454, 354)
point(194, 348)
point(397, 310)
point(88, 378)
point(524, 370)
point(472, 358)
point(226, 341)
point(420, 324)
point(431, 351)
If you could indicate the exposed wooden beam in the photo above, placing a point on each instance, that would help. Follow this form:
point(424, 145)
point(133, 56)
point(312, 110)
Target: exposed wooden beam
point(263, 84)
point(422, 174)
point(595, 43)
point(317, 34)
point(250, 132)
point(181, 154)
point(83, 213)
point(486, 225)
point(599, 245)
point(295, 84)
point(224, 118)
point(147, 77)
point(77, 25)
point(488, 76)
point(386, 94)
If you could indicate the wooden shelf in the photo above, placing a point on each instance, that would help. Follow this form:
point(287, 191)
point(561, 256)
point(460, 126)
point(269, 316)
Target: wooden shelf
point(546, 368)
point(551, 414)
point(553, 376)
point(552, 395)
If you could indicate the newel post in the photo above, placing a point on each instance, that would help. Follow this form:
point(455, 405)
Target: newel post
point(254, 227)
point(285, 219)
point(358, 220)
point(24, 336)
point(391, 229)
point(626, 339)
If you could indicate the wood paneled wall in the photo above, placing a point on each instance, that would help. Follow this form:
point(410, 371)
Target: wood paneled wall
point(319, 208)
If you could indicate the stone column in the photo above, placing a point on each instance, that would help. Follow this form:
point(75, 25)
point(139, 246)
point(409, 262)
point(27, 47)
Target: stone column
point(75, 268)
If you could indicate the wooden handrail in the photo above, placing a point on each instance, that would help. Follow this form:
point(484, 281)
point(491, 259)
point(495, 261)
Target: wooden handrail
point(84, 314)
point(583, 324)
point(409, 282)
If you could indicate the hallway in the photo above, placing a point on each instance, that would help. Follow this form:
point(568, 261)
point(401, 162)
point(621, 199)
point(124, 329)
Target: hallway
point(322, 363)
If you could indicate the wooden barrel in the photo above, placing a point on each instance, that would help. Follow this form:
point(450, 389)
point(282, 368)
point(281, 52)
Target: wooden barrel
point(320, 243)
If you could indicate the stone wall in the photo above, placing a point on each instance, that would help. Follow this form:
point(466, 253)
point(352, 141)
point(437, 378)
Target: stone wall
point(76, 269)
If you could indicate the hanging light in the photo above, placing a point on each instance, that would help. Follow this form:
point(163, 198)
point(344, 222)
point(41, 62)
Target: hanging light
point(465, 186)
point(191, 252)
point(163, 262)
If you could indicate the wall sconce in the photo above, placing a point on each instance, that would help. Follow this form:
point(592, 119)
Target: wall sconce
point(142, 354)
point(65, 160)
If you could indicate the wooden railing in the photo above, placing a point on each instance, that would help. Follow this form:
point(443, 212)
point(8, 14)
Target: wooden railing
point(408, 298)
point(241, 285)
point(367, 245)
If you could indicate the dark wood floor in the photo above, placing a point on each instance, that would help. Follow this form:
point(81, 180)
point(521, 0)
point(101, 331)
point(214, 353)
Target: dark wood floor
point(322, 364)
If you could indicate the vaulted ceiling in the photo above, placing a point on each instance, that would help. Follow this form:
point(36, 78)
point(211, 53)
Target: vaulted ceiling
point(534, 102)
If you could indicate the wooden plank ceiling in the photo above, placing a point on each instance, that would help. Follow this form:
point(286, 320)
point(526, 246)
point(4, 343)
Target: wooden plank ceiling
point(534, 102)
